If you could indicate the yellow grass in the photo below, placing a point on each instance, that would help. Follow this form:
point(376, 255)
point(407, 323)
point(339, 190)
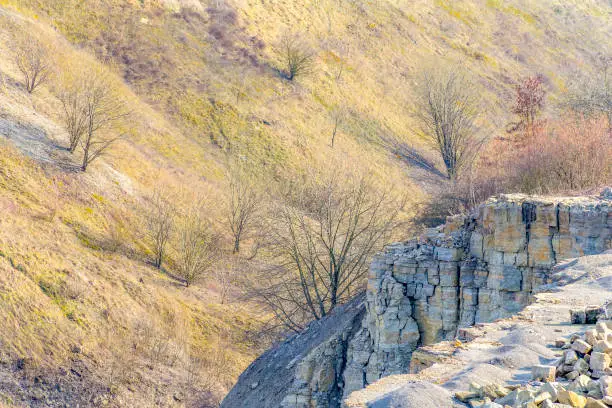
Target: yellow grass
point(72, 274)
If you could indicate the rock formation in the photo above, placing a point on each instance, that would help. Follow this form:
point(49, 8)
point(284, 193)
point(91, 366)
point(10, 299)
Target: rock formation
point(473, 269)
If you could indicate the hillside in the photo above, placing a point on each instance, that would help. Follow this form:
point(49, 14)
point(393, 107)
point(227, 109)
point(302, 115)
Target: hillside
point(84, 317)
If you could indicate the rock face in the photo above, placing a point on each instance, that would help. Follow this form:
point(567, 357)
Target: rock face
point(473, 269)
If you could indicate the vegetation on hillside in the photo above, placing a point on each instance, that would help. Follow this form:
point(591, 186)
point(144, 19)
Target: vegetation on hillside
point(176, 176)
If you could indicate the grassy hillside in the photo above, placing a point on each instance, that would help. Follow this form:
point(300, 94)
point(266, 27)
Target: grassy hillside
point(80, 308)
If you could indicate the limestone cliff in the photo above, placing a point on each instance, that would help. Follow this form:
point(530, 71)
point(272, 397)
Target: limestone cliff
point(473, 269)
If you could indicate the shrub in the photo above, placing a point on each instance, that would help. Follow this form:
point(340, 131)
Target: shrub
point(297, 56)
point(33, 60)
point(197, 246)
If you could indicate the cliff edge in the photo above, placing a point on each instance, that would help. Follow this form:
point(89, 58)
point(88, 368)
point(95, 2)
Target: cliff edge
point(474, 269)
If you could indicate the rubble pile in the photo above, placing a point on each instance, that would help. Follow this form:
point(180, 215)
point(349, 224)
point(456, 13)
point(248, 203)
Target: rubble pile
point(580, 378)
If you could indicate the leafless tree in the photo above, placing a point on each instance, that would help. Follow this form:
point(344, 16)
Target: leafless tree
point(105, 114)
point(72, 96)
point(244, 206)
point(159, 223)
point(94, 114)
point(34, 61)
point(530, 100)
point(197, 246)
point(448, 110)
point(297, 56)
point(225, 276)
point(322, 242)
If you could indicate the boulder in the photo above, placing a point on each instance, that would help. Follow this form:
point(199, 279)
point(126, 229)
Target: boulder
point(572, 399)
point(544, 373)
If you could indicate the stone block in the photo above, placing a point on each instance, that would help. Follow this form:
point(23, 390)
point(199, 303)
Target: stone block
point(467, 316)
point(469, 296)
point(521, 259)
point(449, 274)
point(494, 257)
point(590, 336)
point(593, 403)
point(571, 398)
point(599, 361)
point(433, 275)
point(603, 346)
point(428, 290)
point(591, 314)
point(480, 277)
point(476, 245)
point(606, 386)
point(448, 254)
point(544, 373)
point(581, 346)
point(578, 316)
point(552, 388)
point(403, 273)
point(466, 274)
point(570, 357)
point(420, 275)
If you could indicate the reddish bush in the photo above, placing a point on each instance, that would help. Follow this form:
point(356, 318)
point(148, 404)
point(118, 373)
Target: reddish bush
point(530, 98)
point(569, 156)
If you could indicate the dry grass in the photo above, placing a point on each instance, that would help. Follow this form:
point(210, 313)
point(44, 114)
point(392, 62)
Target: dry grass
point(204, 87)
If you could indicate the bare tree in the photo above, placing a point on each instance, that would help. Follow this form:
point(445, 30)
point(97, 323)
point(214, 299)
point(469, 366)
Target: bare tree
point(34, 61)
point(94, 113)
point(244, 206)
point(297, 56)
point(322, 243)
point(197, 246)
point(159, 223)
point(72, 96)
point(447, 108)
point(225, 276)
point(105, 114)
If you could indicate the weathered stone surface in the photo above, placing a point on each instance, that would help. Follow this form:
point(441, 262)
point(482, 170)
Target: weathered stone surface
point(543, 373)
point(599, 361)
point(581, 346)
point(572, 399)
point(606, 386)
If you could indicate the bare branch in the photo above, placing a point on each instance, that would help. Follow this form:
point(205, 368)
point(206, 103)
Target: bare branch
point(321, 244)
point(447, 109)
point(34, 62)
point(197, 246)
point(297, 57)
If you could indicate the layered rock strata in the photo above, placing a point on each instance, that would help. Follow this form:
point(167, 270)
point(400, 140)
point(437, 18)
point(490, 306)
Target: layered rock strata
point(473, 269)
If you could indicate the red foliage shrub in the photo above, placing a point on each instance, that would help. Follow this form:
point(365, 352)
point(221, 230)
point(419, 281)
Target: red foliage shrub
point(570, 156)
point(530, 99)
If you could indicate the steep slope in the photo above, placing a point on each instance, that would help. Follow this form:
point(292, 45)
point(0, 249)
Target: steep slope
point(212, 67)
point(474, 269)
point(85, 319)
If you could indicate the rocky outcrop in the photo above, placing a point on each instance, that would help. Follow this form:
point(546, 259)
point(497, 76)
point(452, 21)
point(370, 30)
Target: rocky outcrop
point(305, 370)
point(473, 269)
